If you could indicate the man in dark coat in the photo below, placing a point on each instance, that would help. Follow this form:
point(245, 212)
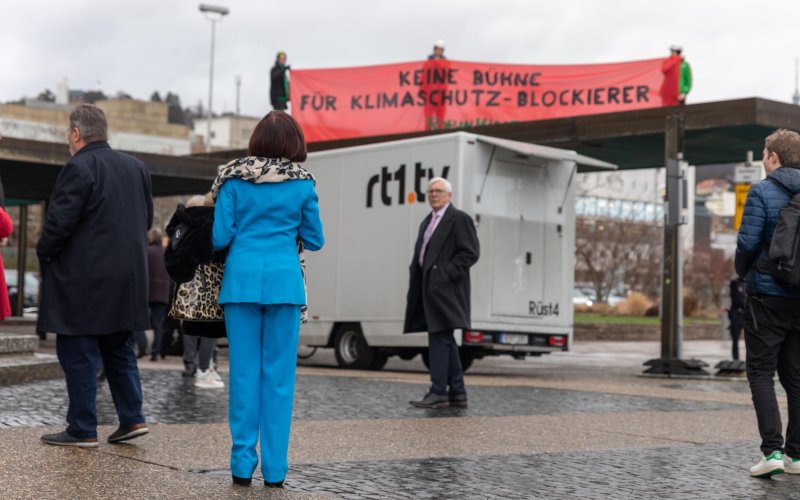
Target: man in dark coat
point(439, 292)
point(279, 87)
point(93, 260)
point(772, 318)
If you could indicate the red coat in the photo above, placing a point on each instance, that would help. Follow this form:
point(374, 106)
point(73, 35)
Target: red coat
point(671, 67)
point(6, 226)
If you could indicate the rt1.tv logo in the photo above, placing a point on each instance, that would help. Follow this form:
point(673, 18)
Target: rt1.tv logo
point(399, 177)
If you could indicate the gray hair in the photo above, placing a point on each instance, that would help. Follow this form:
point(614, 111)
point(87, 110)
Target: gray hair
point(197, 200)
point(447, 186)
point(90, 121)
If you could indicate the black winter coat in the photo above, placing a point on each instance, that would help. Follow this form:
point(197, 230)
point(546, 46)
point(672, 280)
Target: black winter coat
point(93, 249)
point(277, 90)
point(189, 232)
point(439, 291)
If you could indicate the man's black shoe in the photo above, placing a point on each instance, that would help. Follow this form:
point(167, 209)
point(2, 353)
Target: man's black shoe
point(127, 433)
point(242, 481)
point(458, 400)
point(64, 439)
point(432, 400)
point(278, 484)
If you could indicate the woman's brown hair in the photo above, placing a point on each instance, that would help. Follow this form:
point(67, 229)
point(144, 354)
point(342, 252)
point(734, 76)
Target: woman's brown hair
point(277, 135)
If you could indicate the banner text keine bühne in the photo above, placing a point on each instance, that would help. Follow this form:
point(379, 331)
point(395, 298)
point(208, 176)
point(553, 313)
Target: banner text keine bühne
point(488, 89)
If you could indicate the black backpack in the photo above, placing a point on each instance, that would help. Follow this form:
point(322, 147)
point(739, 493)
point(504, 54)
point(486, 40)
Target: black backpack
point(784, 249)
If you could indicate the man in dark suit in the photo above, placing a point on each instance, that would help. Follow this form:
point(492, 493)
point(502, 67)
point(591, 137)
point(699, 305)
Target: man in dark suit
point(439, 292)
point(93, 260)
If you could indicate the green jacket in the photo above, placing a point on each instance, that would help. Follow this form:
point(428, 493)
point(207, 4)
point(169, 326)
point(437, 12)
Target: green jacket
point(685, 83)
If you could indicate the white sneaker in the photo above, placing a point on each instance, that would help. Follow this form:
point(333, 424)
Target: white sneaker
point(205, 379)
point(216, 375)
point(768, 466)
point(791, 465)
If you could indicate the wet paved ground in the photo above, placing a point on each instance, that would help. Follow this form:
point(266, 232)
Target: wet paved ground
point(651, 462)
point(172, 399)
point(707, 472)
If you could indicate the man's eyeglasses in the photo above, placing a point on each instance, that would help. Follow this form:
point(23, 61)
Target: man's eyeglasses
point(436, 191)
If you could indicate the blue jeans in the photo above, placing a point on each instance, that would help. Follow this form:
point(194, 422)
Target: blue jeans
point(79, 355)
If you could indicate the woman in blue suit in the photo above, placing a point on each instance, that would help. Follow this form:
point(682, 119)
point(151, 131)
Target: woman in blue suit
point(266, 213)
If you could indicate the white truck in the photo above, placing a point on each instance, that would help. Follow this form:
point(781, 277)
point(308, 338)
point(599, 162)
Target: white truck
point(372, 201)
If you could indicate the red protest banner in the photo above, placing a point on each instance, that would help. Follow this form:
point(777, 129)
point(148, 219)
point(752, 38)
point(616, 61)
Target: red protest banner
point(435, 94)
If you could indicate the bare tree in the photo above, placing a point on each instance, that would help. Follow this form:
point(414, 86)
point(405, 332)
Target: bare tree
point(707, 273)
point(612, 252)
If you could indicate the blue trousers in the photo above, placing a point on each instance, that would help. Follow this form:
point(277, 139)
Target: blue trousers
point(262, 343)
point(79, 356)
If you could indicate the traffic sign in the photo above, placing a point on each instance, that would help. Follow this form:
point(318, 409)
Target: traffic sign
point(741, 197)
point(747, 174)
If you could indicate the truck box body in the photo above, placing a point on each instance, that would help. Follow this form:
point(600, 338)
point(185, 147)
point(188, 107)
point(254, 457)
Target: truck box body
point(372, 201)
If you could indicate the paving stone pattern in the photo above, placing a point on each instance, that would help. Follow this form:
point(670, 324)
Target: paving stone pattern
point(172, 399)
point(717, 471)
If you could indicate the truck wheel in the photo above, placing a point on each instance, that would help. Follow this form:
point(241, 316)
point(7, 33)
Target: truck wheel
point(380, 361)
point(351, 349)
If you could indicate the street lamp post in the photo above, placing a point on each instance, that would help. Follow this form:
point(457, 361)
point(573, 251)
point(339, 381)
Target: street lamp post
point(214, 14)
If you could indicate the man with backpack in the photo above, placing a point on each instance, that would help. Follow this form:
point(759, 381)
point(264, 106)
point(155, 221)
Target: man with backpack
point(772, 310)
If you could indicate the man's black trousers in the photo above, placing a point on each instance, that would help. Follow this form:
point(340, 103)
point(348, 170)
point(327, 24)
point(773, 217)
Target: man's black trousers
point(772, 338)
point(445, 364)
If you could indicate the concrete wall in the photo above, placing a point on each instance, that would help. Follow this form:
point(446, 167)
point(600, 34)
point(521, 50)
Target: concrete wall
point(132, 125)
point(228, 132)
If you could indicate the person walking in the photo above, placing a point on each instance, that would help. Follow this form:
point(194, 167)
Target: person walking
point(93, 261)
point(738, 300)
point(279, 86)
point(266, 212)
point(438, 298)
point(771, 317)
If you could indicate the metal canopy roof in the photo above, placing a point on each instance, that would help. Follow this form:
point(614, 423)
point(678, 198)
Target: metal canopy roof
point(716, 132)
point(29, 170)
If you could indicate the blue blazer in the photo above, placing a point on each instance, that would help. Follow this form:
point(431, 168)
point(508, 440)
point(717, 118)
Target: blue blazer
point(260, 224)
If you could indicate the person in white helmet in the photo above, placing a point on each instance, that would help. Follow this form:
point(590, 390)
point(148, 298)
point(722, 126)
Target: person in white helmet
point(438, 50)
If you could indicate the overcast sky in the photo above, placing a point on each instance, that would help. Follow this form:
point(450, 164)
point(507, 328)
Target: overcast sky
point(737, 48)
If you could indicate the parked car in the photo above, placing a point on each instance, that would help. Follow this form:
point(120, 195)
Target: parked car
point(31, 294)
point(581, 298)
point(614, 298)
